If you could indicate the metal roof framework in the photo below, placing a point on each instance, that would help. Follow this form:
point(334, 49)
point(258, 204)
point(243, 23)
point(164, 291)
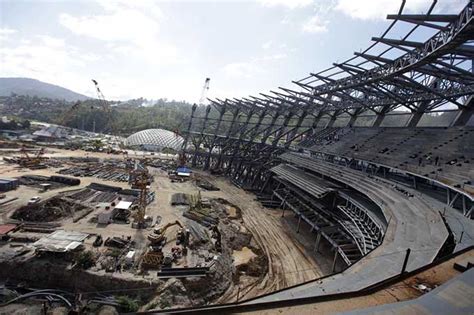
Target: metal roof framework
point(391, 75)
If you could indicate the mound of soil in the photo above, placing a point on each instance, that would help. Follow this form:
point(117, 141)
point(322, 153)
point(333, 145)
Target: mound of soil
point(51, 210)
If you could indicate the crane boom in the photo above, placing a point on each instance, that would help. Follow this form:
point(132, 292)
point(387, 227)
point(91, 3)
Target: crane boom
point(205, 88)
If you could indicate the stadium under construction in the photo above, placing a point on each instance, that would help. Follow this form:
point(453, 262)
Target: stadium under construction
point(359, 155)
point(350, 192)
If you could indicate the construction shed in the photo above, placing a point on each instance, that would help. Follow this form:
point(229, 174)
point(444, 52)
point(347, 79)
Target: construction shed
point(123, 205)
point(60, 241)
point(107, 213)
point(7, 184)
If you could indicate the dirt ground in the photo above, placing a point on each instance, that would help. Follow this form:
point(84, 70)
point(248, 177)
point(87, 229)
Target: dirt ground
point(289, 262)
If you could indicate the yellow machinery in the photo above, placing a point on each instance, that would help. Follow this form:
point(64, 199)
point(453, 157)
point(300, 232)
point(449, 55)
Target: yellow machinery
point(31, 161)
point(158, 236)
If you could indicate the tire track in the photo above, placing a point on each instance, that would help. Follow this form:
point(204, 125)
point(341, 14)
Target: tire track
point(288, 264)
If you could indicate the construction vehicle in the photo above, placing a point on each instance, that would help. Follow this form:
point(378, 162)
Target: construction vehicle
point(76, 106)
point(33, 162)
point(98, 241)
point(158, 236)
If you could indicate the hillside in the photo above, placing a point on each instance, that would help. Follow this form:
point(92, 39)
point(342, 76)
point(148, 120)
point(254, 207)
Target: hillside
point(32, 87)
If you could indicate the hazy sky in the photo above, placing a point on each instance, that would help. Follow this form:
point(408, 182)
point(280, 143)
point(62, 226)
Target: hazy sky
point(166, 49)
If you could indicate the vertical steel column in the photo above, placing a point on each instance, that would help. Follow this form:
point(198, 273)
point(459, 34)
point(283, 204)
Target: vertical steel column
point(199, 142)
point(234, 118)
point(188, 132)
point(221, 110)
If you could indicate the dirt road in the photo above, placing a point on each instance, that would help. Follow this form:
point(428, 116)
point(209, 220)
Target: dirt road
point(287, 262)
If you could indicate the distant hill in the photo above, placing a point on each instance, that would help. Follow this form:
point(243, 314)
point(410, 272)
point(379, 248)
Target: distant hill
point(32, 87)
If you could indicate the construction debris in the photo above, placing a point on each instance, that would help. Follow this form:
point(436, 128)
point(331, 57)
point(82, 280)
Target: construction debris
point(50, 210)
point(179, 199)
point(202, 183)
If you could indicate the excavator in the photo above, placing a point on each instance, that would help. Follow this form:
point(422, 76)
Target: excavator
point(155, 257)
point(158, 237)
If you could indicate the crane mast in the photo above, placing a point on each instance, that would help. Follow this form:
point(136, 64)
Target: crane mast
point(205, 88)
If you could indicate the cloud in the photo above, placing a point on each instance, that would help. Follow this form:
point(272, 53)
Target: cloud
point(267, 45)
point(131, 28)
point(242, 69)
point(291, 4)
point(119, 26)
point(49, 59)
point(252, 68)
point(273, 57)
point(378, 9)
point(50, 41)
point(315, 25)
point(5, 33)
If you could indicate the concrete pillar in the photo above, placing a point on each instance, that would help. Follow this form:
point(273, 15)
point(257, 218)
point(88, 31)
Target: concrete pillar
point(380, 116)
point(415, 119)
point(465, 114)
point(333, 119)
point(354, 117)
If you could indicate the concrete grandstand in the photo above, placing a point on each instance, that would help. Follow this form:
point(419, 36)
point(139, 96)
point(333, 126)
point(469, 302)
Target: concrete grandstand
point(374, 155)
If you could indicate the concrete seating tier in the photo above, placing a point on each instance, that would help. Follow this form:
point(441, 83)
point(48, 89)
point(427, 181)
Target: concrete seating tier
point(412, 223)
point(444, 154)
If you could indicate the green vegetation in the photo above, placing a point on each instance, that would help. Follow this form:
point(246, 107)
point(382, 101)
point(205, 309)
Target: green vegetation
point(85, 260)
point(121, 118)
point(127, 304)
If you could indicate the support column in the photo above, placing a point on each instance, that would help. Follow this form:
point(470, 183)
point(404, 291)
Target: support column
point(465, 114)
point(299, 222)
point(422, 106)
point(354, 117)
point(335, 259)
point(318, 242)
point(333, 119)
point(185, 142)
point(380, 116)
point(204, 124)
point(213, 143)
point(234, 118)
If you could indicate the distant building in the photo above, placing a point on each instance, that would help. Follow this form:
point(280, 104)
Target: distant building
point(155, 140)
point(51, 133)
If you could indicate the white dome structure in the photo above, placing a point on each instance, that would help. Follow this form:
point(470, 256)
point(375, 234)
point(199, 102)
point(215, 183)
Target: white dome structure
point(155, 140)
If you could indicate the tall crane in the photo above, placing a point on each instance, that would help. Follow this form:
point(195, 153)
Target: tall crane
point(99, 92)
point(182, 156)
point(205, 88)
point(102, 101)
